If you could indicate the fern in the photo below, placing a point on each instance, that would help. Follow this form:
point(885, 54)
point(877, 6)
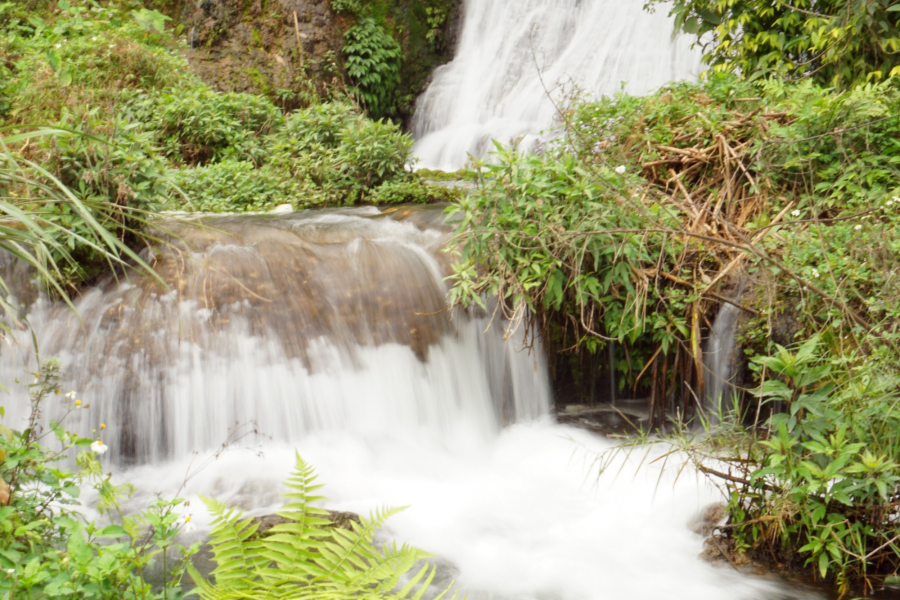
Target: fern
point(308, 557)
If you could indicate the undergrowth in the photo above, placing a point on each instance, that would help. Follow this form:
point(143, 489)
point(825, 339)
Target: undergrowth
point(649, 213)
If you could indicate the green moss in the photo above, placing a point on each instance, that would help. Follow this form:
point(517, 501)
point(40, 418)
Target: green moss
point(256, 40)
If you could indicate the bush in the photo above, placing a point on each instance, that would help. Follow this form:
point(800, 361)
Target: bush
point(117, 174)
point(836, 42)
point(339, 153)
point(352, 7)
point(233, 186)
point(412, 191)
point(201, 125)
point(83, 61)
point(373, 63)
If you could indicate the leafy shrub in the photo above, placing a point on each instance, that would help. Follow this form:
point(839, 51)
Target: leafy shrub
point(837, 42)
point(117, 174)
point(340, 153)
point(412, 191)
point(373, 63)
point(820, 489)
point(84, 60)
point(352, 7)
point(201, 125)
point(233, 186)
point(308, 557)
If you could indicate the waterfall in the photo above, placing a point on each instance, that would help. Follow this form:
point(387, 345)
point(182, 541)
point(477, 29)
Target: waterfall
point(720, 361)
point(512, 53)
point(316, 321)
point(327, 332)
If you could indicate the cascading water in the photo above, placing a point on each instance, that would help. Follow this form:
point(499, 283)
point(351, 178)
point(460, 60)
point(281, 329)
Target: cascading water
point(326, 329)
point(719, 360)
point(511, 52)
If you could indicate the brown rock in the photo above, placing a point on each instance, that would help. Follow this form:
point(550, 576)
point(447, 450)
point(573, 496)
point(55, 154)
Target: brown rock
point(341, 520)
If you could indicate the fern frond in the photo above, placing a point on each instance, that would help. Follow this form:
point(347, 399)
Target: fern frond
point(235, 552)
point(308, 557)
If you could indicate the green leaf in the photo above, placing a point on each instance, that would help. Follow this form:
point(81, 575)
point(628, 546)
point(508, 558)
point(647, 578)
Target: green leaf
point(113, 531)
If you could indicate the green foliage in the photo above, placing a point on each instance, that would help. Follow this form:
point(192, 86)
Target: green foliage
point(594, 233)
point(338, 154)
point(308, 557)
point(373, 63)
point(82, 60)
point(115, 170)
point(52, 227)
point(437, 19)
point(234, 186)
point(412, 191)
point(47, 547)
point(201, 126)
point(352, 7)
point(836, 42)
point(820, 490)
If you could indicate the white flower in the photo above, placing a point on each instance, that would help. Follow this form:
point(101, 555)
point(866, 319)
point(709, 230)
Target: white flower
point(10, 571)
point(815, 273)
point(78, 404)
point(94, 39)
point(71, 395)
point(99, 447)
point(858, 227)
point(112, 45)
point(795, 213)
point(620, 169)
point(58, 46)
point(185, 524)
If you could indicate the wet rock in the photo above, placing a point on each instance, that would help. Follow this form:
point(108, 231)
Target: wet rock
point(604, 420)
point(339, 519)
point(711, 517)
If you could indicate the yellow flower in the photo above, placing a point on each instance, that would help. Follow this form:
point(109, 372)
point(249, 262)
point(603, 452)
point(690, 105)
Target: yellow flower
point(102, 426)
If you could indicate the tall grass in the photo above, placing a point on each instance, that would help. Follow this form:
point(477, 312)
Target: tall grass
point(30, 235)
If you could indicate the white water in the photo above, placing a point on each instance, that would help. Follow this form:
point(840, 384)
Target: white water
point(511, 53)
point(317, 346)
point(719, 359)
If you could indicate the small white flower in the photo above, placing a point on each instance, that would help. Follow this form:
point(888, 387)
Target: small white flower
point(795, 213)
point(620, 169)
point(858, 227)
point(815, 273)
point(78, 404)
point(10, 571)
point(185, 524)
point(94, 39)
point(112, 45)
point(99, 447)
point(58, 46)
point(71, 395)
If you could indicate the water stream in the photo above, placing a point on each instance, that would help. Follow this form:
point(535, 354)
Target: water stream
point(720, 360)
point(513, 54)
point(325, 330)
